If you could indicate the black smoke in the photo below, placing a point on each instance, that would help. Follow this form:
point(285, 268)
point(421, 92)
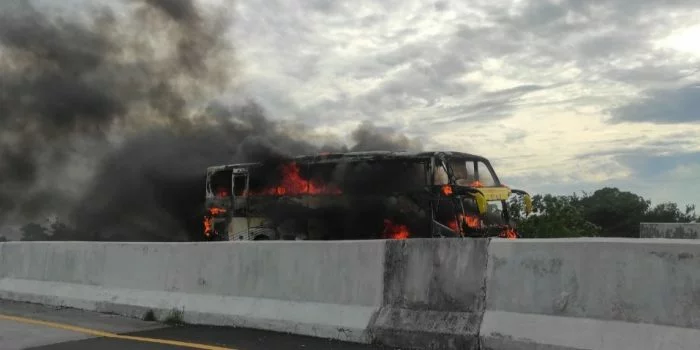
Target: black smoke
point(100, 118)
point(367, 137)
point(152, 187)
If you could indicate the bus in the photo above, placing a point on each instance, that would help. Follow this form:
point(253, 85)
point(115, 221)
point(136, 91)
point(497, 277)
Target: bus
point(359, 195)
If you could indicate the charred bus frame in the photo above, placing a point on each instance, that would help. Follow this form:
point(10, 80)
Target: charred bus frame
point(460, 196)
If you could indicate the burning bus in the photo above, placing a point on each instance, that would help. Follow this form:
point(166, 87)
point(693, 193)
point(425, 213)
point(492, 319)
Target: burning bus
point(363, 195)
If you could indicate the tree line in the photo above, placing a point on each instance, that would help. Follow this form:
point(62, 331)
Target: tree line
point(607, 212)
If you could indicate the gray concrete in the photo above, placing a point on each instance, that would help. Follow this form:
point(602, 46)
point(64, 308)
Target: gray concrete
point(328, 289)
point(434, 293)
point(593, 294)
point(429, 292)
point(425, 293)
point(669, 230)
point(293, 271)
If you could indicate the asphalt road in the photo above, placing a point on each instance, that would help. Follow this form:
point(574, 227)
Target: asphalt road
point(36, 327)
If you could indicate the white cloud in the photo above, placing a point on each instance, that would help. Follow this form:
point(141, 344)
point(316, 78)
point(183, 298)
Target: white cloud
point(684, 39)
point(558, 93)
point(529, 84)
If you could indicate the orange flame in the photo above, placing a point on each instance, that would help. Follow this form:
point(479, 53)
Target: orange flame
point(222, 192)
point(394, 231)
point(217, 211)
point(471, 221)
point(474, 221)
point(453, 225)
point(208, 226)
point(509, 233)
point(447, 190)
point(476, 183)
point(293, 184)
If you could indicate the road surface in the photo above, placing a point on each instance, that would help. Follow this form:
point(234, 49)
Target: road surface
point(36, 327)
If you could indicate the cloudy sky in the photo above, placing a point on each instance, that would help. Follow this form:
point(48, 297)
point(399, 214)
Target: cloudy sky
point(563, 96)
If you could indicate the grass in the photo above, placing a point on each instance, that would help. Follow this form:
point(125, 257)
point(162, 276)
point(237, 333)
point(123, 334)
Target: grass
point(174, 318)
point(150, 316)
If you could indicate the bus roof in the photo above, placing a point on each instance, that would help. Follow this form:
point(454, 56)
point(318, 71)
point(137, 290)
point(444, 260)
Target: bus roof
point(216, 168)
point(358, 156)
point(385, 155)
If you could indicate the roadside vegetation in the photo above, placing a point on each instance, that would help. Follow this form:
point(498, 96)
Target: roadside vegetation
point(607, 212)
point(174, 318)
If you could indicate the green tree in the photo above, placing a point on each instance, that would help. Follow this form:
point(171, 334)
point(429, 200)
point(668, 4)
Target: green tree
point(607, 212)
point(617, 213)
point(669, 212)
point(553, 216)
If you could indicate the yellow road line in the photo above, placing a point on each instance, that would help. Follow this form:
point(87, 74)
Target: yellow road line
point(97, 333)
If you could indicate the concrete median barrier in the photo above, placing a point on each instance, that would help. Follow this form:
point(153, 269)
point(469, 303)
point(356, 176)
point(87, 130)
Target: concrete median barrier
point(433, 294)
point(592, 294)
point(324, 289)
point(425, 293)
point(422, 294)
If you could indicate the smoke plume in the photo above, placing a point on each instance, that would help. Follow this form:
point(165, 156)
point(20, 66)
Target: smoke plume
point(101, 123)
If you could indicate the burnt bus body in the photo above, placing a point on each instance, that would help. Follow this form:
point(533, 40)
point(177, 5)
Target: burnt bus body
point(367, 195)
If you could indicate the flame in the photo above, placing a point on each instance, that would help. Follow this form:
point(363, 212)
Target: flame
point(293, 184)
point(472, 221)
point(475, 222)
point(453, 225)
point(447, 190)
point(217, 211)
point(509, 233)
point(476, 183)
point(208, 226)
point(222, 192)
point(394, 231)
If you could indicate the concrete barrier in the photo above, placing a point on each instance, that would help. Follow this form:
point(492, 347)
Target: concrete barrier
point(592, 294)
point(423, 293)
point(324, 289)
point(433, 294)
point(669, 230)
